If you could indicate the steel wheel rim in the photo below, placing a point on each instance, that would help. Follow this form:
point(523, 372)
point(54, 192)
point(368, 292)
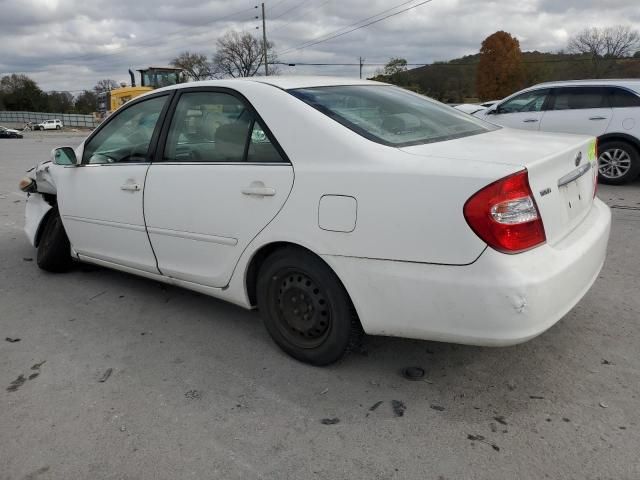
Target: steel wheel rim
point(302, 310)
point(614, 163)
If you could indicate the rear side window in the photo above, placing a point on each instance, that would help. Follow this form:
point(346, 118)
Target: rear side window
point(217, 127)
point(578, 98)
point(621, 98)
point(390, 115)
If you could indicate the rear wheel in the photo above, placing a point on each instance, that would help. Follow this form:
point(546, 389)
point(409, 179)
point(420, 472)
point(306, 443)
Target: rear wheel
point(306, 309)
point(618, 163)
point(54, 249)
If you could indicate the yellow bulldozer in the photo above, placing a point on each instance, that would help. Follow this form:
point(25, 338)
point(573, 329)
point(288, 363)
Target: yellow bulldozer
point(150, 79)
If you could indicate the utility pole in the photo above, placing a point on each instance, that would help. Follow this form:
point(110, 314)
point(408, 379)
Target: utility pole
point(264, 44)
point(361, 63)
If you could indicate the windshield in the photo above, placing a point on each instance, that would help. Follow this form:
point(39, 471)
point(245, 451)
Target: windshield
point(390, 115)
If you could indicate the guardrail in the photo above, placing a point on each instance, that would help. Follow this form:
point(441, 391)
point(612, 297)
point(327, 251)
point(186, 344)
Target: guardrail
point(68, 119)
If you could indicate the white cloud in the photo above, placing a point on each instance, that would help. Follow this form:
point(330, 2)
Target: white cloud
point(71, 44)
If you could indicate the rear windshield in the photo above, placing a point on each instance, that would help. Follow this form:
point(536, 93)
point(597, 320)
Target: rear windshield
point(390, 115)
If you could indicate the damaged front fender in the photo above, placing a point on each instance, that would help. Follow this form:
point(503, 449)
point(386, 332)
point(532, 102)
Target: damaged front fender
point(35, 213)
point(44, 181)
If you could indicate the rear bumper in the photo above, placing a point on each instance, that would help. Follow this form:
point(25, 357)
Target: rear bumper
point(498, 300)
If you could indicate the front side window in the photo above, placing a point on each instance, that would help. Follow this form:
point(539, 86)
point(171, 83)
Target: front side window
point(127, 136)
point(621, 98)
point(390, 115)
point(527, 102)
point(578, 98)
point(216, 127)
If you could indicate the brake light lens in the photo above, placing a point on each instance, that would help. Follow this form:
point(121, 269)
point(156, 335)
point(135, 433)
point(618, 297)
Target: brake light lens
point(504, 214)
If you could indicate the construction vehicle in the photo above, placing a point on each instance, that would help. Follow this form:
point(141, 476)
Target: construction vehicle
point(150, 79)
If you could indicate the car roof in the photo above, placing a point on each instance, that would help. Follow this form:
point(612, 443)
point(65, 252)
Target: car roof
point(283, 82)
point(633, 83)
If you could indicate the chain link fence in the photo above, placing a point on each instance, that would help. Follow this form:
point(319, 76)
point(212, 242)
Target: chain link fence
point(68, 119)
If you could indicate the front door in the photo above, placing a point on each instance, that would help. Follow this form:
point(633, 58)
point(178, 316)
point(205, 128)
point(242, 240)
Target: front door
point(101, 199)
point(219, 181)
point(524, 111)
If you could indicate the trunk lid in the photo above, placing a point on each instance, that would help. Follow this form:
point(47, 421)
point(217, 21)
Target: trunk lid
point(562, 169)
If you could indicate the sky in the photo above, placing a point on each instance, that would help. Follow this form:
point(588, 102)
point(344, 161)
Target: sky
point(71, 44)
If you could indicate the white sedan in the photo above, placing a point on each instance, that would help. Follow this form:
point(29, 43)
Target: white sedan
point(335, 206)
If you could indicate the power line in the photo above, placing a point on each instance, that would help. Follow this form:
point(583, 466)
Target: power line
point(297, 17)
point(290, 9)
point(336, 35)
point(443, 64)
point(303, 45)
point(276, 4)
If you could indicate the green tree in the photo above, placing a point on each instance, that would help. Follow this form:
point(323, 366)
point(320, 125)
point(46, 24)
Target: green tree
point(394, 66)
point(59, 102)
point(86, 102)
point(20, 92)
point(500, 70)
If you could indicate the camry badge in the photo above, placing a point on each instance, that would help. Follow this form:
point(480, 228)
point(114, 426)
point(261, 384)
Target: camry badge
point(578, 158)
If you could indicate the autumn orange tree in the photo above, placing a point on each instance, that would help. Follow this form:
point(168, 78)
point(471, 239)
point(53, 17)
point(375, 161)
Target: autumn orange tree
point(500, 70)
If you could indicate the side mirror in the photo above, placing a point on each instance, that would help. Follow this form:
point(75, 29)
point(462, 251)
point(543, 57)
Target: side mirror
point(64, 156)
point(491, 111)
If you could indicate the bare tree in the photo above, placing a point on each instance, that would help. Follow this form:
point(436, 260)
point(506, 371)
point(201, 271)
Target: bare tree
point(105, 84)
point(195, 65)
point(240, 55)
point(604, 44)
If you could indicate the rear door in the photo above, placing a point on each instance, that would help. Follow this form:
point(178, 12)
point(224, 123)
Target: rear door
point(584, 110)
point(219, 180)
point(524, 111)
point(626, 111)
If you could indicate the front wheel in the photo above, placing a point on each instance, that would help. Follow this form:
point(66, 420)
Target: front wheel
point(306, 309)
point(58, 127)
point(618, 163)
point(54, 249)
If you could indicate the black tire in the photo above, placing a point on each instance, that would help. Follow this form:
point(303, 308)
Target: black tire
point(305, 308)
point(54, 250)
point(618, 162)
point(58, 127)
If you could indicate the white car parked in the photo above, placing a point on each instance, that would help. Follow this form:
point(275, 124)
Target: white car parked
point(607, 109)
point(335, 206)
point(50, 125)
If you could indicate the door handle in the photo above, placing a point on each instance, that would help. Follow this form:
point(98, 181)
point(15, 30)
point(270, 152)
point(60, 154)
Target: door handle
point(259, 191)
point(530, 120)
point(597, 118)
point(130, 187)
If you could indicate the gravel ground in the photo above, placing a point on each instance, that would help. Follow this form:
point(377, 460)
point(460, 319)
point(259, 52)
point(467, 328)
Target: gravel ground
point(119, 377)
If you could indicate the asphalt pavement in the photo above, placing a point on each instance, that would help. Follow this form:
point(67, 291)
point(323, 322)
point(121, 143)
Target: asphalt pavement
point(104, 375)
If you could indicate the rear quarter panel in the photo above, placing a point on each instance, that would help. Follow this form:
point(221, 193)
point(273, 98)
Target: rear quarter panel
point(627, 121)
point(409, 208)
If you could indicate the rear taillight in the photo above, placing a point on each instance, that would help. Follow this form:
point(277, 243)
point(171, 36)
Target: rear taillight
point(504, 214)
